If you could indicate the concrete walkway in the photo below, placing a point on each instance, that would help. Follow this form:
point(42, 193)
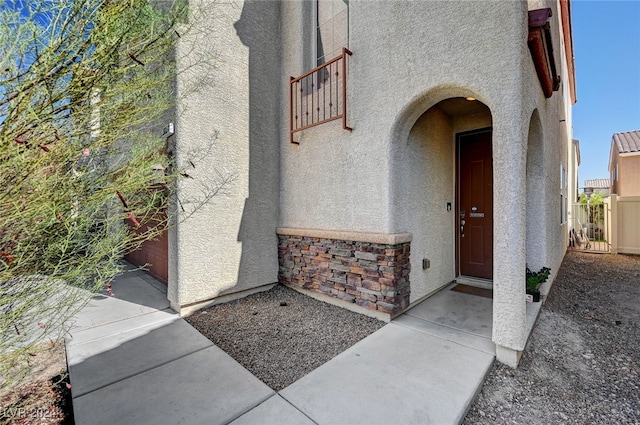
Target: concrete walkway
point(132, 360)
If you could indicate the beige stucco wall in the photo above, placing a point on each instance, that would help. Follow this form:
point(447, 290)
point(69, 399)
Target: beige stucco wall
point(613, 164)
point(340, 180)
point(395, 172)
point(629, 174)
point(382, 177)
point(428, 184)
point(548, 236)
point(407, 57)
point(228, 128)
point(573, 158)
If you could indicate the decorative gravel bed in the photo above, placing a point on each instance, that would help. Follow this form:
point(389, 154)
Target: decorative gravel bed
point(582, 362)
point(281, 335)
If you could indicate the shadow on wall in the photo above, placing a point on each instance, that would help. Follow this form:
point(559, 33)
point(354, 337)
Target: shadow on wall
point(257, 27)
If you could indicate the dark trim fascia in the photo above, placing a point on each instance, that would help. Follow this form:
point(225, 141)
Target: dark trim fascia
point(541, 48)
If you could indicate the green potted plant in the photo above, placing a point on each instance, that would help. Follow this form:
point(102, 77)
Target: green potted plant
point(534, 280)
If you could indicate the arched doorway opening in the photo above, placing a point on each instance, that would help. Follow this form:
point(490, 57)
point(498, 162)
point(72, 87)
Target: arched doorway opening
point(431, 184)
point(536, 244)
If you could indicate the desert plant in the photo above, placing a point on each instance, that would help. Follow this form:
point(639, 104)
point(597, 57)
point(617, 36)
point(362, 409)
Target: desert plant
point(86, 87)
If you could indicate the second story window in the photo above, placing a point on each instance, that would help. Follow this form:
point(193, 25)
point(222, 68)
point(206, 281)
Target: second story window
point(332, 29)
point(320, 94)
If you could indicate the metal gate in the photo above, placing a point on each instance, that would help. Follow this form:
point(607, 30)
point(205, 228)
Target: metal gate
point(589, 227)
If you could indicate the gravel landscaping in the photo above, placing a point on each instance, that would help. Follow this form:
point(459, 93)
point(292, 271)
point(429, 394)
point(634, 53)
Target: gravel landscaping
point(581, 364)
point(582, 361)
point(281, 335)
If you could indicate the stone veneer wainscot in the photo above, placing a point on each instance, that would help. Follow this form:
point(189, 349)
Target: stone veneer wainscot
point(368, 269)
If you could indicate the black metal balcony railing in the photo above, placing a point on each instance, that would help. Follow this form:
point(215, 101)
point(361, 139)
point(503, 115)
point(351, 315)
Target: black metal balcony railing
point(319, 96)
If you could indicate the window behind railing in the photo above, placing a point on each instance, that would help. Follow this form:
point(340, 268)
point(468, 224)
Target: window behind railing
point(319, 96)
point(332, 29)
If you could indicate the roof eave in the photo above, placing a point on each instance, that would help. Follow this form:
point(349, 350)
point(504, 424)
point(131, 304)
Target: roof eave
point(565, 13)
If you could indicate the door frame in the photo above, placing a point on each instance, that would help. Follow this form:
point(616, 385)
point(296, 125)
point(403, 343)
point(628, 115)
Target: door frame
point(456, 230)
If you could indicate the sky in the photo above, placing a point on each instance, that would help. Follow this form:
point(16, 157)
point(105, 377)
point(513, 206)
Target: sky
point(606, 41)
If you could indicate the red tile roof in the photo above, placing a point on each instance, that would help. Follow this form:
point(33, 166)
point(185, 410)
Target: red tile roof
point(628, 141)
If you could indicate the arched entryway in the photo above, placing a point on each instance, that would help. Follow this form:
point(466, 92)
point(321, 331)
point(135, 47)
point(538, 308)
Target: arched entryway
point(431, 184)
point(536, 243)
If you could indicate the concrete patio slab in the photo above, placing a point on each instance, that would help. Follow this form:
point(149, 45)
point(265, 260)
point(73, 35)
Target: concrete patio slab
point(100, 362)
point(206, 387)
point(396, 375)
point(134, 288)
point(467, 339)
point(275, 411)
point(157, 318)
point(133, 297)
point(457, 310)
point(133, 360)
point(143, 274)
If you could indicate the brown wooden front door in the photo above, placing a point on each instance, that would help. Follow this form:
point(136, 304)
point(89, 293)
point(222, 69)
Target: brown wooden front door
point(475, 204)
point(152, 254)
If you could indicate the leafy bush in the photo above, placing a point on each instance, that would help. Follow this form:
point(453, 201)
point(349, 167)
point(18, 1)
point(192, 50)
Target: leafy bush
point(535, 279)
point(86, 87)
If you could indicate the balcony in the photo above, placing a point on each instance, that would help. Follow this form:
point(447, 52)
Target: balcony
point(319, 96)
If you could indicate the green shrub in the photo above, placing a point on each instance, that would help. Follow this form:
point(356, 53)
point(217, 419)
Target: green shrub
point(535, 279)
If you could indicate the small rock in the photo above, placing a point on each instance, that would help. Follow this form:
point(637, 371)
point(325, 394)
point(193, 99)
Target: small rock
point(562, 415)
point(283, 303)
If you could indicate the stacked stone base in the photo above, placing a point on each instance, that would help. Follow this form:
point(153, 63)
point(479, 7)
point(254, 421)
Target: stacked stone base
point(372, 275)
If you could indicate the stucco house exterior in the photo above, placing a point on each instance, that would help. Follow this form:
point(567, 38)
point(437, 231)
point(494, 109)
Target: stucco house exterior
point(624, 163)
point(445, 153)
point(600, 186)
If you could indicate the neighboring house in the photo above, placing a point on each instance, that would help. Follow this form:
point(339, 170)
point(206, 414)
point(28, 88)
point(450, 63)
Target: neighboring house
point(572, 188)
point(574, 158)
point(452, 120)
point(600, 186)
point(624, 163)
point(624, 202)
